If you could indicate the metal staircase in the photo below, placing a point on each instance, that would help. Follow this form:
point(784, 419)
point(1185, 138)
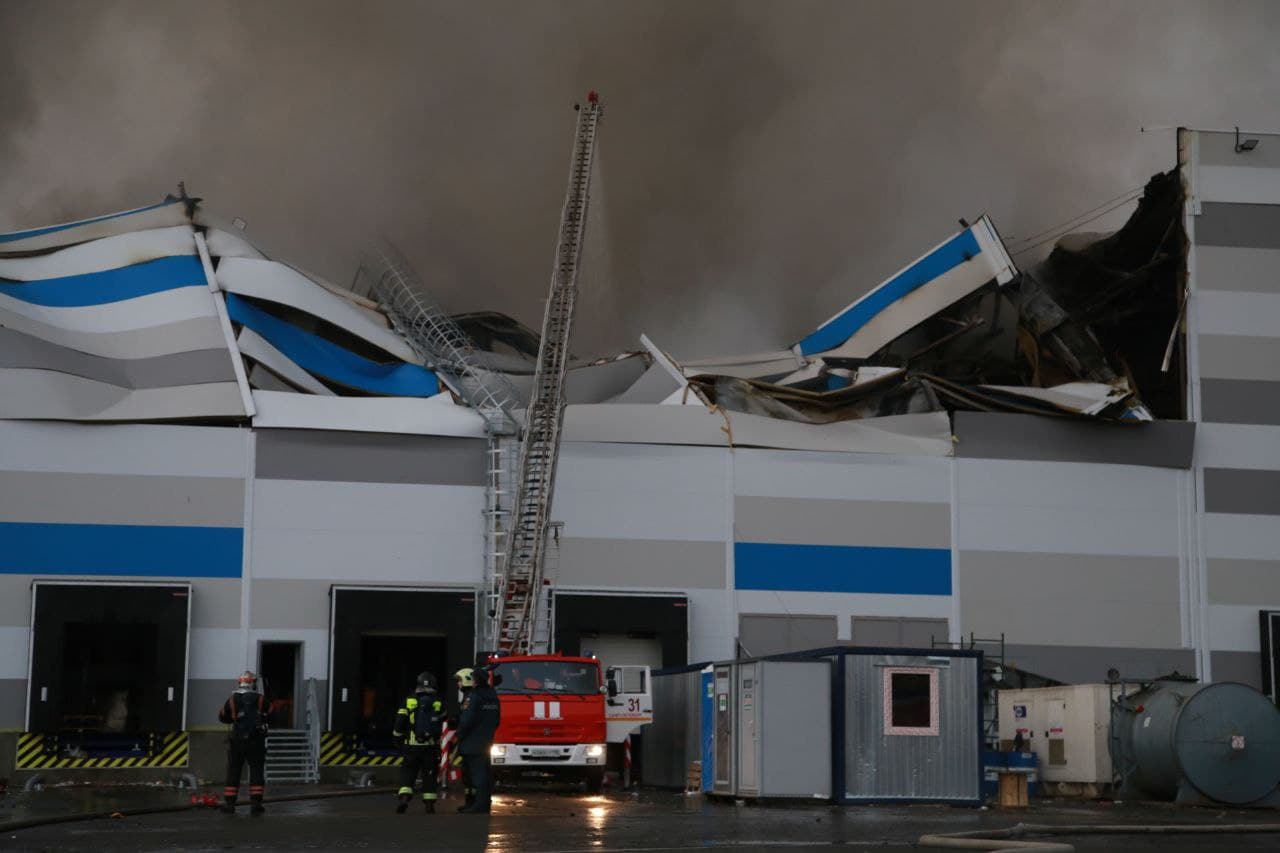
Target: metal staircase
point(437, 339)
point(521, 584)
point(293, 755)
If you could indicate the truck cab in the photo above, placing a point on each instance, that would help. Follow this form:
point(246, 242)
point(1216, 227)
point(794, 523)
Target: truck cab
point(559, 713)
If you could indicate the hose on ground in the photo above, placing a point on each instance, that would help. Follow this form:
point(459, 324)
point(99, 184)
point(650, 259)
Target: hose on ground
point(1009, 840)
point(31, 823)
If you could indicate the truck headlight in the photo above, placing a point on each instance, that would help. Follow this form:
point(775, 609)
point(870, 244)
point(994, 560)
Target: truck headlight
point(497, 751)
point(595, 750)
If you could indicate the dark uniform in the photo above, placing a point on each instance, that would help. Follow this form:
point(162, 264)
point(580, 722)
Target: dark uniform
point(417, 730)
point(246, 712)
point(481, 713)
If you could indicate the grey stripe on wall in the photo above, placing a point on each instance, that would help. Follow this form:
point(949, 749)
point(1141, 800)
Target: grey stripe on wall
point(13, 703)
point(1240, 357)
point(1071, 599)
point(993, 435)
point(205, 697)
point(1236, 269)
point(1242, 491)
point(15, 600)
point(1241, 667)
point(1240, 401)
point(806, 521)
point(1243, 581)
point(215, 602)
point(1089, 664)
point(1246, 225)
point(162, 371)
point(362, 457)
point(48, 497)
point(290, 604)
point(1219, 149)
point(651, 563)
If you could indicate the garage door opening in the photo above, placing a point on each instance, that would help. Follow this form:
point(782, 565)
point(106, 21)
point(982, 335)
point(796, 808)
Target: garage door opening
point(108, 663)
point(381, 639)
point(389, 667)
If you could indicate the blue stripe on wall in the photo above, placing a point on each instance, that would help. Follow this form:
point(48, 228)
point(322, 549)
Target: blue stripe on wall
point(840, 568)
point(836, 331)
point(120, 549)
point(323, 358)
point(100, 288)
point(36, 232)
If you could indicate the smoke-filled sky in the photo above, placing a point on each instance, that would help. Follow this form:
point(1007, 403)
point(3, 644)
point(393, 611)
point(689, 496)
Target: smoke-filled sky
point(761, 164)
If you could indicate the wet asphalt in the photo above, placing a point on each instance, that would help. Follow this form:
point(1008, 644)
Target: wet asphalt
point(650, 821)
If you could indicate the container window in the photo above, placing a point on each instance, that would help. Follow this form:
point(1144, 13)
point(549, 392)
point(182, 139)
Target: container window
point(911, 700)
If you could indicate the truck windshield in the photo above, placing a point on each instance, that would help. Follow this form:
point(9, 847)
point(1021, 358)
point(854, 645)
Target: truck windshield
point(545, 676)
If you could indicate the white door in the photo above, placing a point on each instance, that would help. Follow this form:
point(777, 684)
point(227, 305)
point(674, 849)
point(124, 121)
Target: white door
point(621, 650)
point(748, 731)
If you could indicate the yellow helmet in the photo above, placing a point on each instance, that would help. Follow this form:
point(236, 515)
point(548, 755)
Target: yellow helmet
point(466, 677)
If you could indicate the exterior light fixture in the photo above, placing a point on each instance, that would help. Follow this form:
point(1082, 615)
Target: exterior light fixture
point(1247, 145)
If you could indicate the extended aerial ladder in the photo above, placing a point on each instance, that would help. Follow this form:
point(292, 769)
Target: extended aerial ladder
point(520, 585)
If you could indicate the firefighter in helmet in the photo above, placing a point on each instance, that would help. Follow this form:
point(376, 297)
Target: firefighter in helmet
point(477, 723)
point(417, 730)
point(246, 712)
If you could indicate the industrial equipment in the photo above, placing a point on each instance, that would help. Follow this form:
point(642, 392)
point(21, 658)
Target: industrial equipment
point(1197, 743)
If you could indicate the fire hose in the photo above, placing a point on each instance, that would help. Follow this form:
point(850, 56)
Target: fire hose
point(1009, 840)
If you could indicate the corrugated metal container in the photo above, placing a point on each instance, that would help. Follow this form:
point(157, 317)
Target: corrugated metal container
point(913, 726)
point(783, 731)
point(672, 741)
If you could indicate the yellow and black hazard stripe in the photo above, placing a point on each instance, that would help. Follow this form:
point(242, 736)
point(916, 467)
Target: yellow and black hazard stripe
point(39, 752)
point(335, 752)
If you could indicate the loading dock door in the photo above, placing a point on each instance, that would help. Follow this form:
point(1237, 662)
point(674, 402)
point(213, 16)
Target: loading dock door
point(381, 639)
point(108, 658)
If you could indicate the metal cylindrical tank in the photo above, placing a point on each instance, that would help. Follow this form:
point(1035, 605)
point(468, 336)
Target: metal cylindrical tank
point(1222, 739)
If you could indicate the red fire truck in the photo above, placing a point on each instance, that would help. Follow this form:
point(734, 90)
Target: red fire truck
point(559, 714)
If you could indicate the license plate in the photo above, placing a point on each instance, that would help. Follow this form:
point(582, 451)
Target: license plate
point(544, 753)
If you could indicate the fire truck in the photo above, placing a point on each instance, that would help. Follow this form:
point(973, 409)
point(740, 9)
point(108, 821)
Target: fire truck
point(561, 713)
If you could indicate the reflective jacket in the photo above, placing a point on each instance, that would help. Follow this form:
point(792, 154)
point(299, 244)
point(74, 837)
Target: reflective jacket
point(420, 721)
point(246, 712)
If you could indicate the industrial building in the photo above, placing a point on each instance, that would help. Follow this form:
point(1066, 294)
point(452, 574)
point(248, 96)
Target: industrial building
point(211, 459)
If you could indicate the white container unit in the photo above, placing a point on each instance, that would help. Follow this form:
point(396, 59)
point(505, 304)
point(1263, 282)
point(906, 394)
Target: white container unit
point(1066, 727)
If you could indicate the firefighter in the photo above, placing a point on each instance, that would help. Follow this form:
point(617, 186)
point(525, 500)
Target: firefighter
point(477, 723)
point(417, 731)
point(246, 712)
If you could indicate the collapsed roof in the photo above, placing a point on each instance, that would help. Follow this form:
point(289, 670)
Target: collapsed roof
point(164, 313)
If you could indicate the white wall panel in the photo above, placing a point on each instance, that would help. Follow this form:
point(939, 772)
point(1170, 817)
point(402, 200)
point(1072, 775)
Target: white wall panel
point(1084, 530)
point(1238, 446)
point(217, 653)
point(1243, 184)
point(992, 482)
point(367, 507)
point(1229, 312)
point(1234, 627)
point(1242, 537)
point(367, 532)
point(123, 449)
point(14, 647)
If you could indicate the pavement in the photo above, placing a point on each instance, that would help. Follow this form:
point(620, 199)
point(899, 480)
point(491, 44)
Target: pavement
point(545, 821)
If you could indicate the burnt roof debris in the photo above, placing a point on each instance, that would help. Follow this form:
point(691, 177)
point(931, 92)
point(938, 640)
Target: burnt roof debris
point(1081, 334)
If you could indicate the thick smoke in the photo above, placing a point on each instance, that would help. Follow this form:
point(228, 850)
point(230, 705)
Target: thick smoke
point(761, 164)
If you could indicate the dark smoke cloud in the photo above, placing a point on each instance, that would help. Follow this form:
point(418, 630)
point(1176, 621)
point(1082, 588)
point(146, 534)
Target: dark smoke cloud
point(761, 163)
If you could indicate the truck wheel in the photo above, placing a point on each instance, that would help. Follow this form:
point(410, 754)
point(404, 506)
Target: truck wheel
point(594, 779)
